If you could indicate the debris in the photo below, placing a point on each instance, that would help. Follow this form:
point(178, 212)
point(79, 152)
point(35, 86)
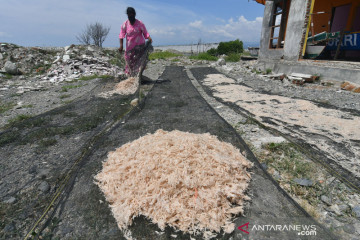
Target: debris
point(221, 62)
point(278, 76)
point(11, 68)
point(59, 64)
point(334, 209)
point(10, 200)
point(160, 174)
point(356, 211)
point(306, 77)
point(296, 80)
point(326, 200)
point(303, 182)
point(44, 186)
point(134, 102)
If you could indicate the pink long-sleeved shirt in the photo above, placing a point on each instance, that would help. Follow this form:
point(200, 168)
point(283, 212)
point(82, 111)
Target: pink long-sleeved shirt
point(134, 34)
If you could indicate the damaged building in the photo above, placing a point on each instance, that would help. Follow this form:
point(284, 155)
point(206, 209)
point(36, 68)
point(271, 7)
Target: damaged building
point(312, 36)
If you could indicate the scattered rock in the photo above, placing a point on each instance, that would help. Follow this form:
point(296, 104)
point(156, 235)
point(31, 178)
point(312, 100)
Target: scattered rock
point(264, 166)
point(266, 140)
point(334, 209)
point(33, 170)
point(344, 208)
point(11, 68)
point(255, 129)
point(349, 228)
point(10, 200)
point(134, 102)
point(9, 228)
point(221, 62)
point(326, 200)
point(66, 58)
point(44, 187)
point(356, 211)
point(276, 175)
point(303, 182)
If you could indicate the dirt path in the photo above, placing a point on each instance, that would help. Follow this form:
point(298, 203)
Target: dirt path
point(51, 160)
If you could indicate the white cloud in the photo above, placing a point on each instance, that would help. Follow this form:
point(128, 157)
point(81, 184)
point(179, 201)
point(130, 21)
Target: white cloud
point(239, 28)
point(196, 24)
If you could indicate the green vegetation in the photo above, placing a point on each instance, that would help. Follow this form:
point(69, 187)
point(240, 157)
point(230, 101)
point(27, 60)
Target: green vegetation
point(41, 69)
point(268, 70)
point(47, 143)
point(163, 55)
point(254, 70)
point(227, 48)
point(27, 106)
point(287, 160)
point(6, 106)
point(233, 57)
point(8, 76)
point(19, 118)
point(65, 96)
point(204, 56)
point(67, 87)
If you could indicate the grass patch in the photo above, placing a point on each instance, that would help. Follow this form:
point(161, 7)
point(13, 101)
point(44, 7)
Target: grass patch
point(8, 76)
point(233, 57)
point(162, 55)
point(70, 114)
point(27, 106)
point(204, 56)
point(117, 62)
point(65, 96)
point(19, 118)
point(6, 106)
point(287, 160)
point(67, 87)
point(41, 69)
point(8, 137)
point(268, 70)
point(67, 101)
point(47, 143)
point(254, 70)
point(175, 60)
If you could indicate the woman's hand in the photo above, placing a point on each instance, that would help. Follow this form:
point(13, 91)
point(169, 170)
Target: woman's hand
point(150, 39)
point(120, 49)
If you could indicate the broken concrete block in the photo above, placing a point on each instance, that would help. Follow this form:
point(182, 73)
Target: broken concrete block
point(278, 76)
point(221, 62)
point(66, 58)
point(357, 90)
point(11, 68)
point(349, 87)
point(303, 182)
point(343, 85)
point(296, 80)
point(306, 77)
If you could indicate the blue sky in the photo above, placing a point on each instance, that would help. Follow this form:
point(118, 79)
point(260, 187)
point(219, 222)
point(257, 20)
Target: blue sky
point(56, 23)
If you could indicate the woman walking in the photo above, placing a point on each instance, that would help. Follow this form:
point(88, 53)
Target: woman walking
point(136, 53)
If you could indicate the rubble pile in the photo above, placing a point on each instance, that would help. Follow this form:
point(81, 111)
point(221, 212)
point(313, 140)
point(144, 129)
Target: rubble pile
point(17, 60)
point(78, 61)
point(59, 64)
